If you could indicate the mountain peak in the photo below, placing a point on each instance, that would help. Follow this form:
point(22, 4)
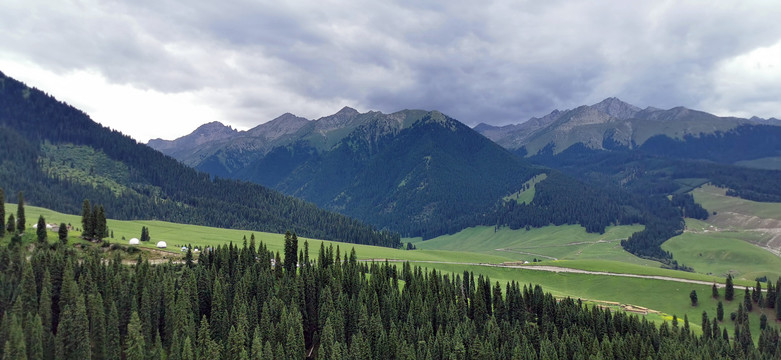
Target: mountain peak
point(614, 107)
point(347, 111)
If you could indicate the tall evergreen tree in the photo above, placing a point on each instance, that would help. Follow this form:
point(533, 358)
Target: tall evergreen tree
point(41, 229)
point(135, 346)
point(291, 252)
point(778, 303)
point(11, 226)
point(72, 339)
point(86, 220)
point(101, 230)
point(2, 212)
point(15, 347)
point(62, 233)
point(729, 291)
point(21, 220)
point(113, 345)
point(693, 297)
point(720, 311)
point(715, 292)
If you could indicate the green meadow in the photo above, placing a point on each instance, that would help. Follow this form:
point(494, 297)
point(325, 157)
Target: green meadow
point(466, 250)
point(719, 254)
point(570, 242)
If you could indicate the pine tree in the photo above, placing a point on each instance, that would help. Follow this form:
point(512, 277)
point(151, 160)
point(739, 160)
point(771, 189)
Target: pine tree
point(693, 297)
point(135, 345)
point(72, 339)
point(34, 338)
point(291, 252)
point(113, 345)
point(11, 226)
point(720, 311)
point(86, 220)
point(101, 230)
point(21, 221)
point(15, 347)
point(62, 233)
point(41, 229)
point(747, 303)
point(729, 291)
point(778, 304)
point(2, 212)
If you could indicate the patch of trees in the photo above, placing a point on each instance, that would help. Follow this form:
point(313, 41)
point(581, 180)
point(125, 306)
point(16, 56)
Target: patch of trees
point(560, 200)
point(93, 221)
point(28, 117)
point(689, 208)
point(233, 303)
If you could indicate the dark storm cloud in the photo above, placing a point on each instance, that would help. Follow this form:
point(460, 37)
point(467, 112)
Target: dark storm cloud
point(494, 62)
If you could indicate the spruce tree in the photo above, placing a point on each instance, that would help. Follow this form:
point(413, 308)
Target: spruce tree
point(86, 220)
point(72, 339)
point(715, 292)
point(20, 218)
point(720, 311)
point(2, 212)
point(291, 252)
point(33, 333)
point(135, 345)
point(100, 224)
point(62, 233)
point(778, 303)
point(15, 347)
point(11, 226)
point(113, 345)
point(693, 297)
point(41, 230)
point(729, 291)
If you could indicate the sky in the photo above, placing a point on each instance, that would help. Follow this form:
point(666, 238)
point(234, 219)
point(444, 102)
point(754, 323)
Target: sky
point(159, 69)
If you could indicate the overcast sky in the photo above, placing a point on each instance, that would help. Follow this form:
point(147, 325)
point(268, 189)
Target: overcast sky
point(153, 68)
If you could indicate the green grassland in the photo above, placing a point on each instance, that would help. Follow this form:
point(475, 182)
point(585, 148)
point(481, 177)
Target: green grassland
point(714, 199)
point(526, 196)
point(177, 235)
point(548, 243)
point(720, 253)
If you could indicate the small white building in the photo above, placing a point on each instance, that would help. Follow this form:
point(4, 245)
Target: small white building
point(161, 244)
point(134, 241)
point(184, 248)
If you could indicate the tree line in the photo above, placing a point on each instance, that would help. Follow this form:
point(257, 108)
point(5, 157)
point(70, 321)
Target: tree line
point(57, 303)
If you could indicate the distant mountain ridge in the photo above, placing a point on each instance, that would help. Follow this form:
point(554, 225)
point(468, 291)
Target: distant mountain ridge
point(609, 124)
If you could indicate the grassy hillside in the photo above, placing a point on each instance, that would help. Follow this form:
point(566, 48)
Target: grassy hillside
point(663, 298)
point(722, 253)
point(547, 243)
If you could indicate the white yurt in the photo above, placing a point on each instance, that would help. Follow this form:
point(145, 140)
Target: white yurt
point(134, 241)
point(161, 244)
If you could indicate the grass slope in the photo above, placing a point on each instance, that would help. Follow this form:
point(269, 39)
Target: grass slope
point(667, 297)
point(552, 242)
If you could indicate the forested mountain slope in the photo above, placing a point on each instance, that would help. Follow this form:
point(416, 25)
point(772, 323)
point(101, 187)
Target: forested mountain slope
point(58, 156)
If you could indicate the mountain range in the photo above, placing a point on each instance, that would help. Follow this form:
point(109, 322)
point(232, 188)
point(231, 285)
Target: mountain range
point(613, 124)
point(57, 156)
point(418, 172)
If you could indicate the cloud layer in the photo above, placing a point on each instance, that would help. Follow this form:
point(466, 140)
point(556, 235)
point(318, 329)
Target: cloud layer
point(161, 68)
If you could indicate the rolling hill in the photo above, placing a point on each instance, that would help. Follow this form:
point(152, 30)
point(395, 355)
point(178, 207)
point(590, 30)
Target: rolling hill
point(58, 156)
